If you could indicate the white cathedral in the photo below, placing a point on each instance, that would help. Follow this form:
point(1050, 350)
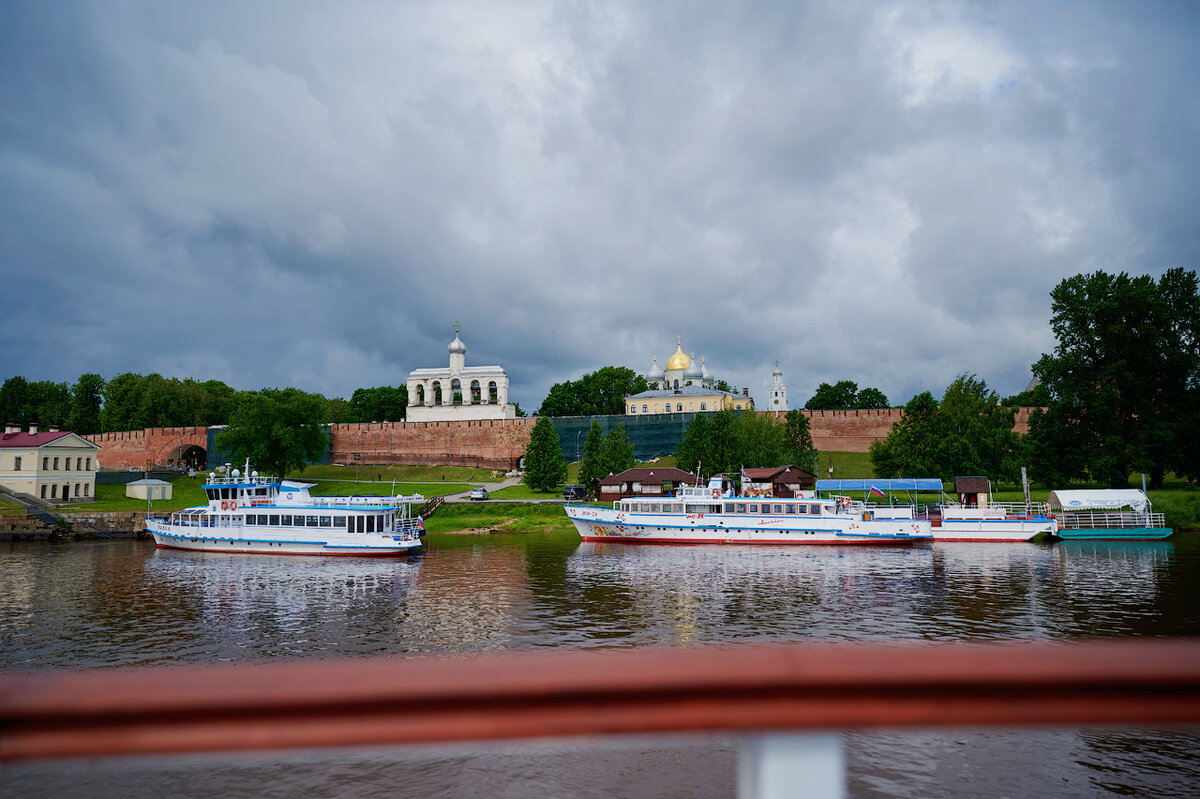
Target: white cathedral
point(460, 392)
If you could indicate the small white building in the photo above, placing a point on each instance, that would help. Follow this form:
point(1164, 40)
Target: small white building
point(460, 392)
point(57, 465)
point(148, 488)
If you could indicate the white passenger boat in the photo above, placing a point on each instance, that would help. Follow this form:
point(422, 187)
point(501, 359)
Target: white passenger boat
point(710, 515)
point(950, 520)
point(258, 514)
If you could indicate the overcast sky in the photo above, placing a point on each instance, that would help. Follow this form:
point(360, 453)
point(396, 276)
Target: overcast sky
point(310, 194)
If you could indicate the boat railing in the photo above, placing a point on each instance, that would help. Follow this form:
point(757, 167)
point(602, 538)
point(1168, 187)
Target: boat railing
point(1018, 508)
point(381, 501)
point(244, 479)
point(788, 700)
point(1099, 520)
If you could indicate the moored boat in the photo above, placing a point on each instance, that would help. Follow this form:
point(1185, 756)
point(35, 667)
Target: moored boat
point(1115, 514)
point(712, 515)
point(950, 519)
point(249, 513)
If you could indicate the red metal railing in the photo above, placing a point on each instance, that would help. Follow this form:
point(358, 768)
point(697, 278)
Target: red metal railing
point(279, 705)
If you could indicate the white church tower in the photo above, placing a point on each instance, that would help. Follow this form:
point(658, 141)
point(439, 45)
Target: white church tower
point(778, 400)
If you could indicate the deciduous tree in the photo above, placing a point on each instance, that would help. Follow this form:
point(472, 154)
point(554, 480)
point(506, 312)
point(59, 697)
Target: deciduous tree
point(122, 396)
point(797, 440)
point(280, 430)
point(87, 396)
point(598, 393)
point(845, 395)
point(1124, 378)
point(968, 433)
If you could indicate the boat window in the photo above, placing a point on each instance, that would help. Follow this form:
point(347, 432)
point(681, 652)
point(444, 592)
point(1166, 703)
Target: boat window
point(326, 521)
point(262, 519)
point(729, 507)
point(741, 507)
point(815, 510)
point(789, 509)
point(273, 520)
point(644, 507)
point(286, 520)
point(361, 524)
point(655, 508)
point(339, 522)
point(370, 524)
point(260, 492)
point(754, 507)
point(312, 521)
point(250, 520)
point(776, 509)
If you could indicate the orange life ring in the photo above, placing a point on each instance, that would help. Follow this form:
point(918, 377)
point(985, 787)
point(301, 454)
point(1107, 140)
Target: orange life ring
point(844, 501)
point(224, 505)
point(716, 492)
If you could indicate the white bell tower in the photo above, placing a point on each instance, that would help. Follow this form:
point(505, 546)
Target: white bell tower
point(778, 400)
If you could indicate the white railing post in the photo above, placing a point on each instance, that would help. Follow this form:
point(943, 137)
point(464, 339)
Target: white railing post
point(777, 765)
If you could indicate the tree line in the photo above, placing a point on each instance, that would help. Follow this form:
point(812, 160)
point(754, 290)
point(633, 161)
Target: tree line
point(1119, 395)
point(133, 401)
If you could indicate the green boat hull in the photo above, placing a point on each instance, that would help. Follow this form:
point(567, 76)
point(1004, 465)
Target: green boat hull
point(1113, 533)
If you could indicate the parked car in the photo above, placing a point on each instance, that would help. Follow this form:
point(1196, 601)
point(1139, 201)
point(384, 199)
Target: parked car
point(575, 492)
point(479, 493)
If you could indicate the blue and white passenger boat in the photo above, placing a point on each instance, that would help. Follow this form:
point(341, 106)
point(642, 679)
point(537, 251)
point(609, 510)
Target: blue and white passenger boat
point(257, 514)
point(698, 515)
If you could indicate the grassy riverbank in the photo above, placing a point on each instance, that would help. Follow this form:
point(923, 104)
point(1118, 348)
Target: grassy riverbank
point(1179, 500)
point(499, 518)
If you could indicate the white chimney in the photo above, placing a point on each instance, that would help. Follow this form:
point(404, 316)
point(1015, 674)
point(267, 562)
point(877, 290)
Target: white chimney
point(11, 428)
point(32, 429)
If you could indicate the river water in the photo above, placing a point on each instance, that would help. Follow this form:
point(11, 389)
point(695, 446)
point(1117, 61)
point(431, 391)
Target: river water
point(124, 603)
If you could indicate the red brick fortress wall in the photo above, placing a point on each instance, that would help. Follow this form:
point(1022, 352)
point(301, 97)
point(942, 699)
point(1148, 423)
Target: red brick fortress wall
point(853, 431)
point(487, 443)
point(142, 449)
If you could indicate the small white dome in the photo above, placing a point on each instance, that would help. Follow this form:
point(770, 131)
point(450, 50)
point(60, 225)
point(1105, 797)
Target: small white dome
point(693, 372)
point(655, 373)
point(457, 347)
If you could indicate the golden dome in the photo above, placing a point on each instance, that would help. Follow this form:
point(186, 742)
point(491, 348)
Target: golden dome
point(679, 360)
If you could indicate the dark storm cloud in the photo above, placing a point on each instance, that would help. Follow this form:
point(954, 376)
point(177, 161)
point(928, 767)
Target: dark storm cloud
point(311, 194)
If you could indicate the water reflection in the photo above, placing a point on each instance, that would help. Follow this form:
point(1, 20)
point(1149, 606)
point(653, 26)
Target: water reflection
point(124, 603)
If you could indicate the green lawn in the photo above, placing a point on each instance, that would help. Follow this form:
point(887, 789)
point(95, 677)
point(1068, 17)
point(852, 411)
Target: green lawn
point(1179, 500)
point(412, 474)
point(337, 488)
point(522, 491)
point(500, 517)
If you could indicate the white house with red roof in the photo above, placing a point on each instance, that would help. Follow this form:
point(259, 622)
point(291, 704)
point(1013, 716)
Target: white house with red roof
point(56, 466)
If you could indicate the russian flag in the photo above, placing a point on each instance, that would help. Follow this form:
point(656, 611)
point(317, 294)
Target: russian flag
point(876, 491)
